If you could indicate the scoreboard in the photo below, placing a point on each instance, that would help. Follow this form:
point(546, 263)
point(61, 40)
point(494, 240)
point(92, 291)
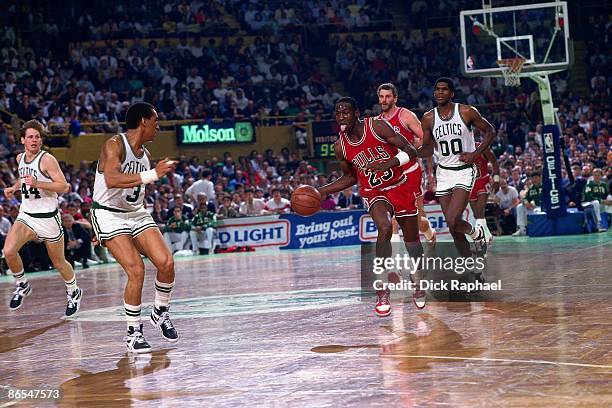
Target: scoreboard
point(324, 135)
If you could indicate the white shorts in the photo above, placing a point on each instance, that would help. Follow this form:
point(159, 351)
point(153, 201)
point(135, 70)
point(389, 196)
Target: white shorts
point(448, 179)
point(47, 227)
point(108, 224)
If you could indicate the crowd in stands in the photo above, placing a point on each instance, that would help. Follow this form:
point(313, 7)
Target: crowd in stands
point(328, 16)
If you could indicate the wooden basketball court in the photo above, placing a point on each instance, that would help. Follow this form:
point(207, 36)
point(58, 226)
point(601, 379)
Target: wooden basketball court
point(288, 328)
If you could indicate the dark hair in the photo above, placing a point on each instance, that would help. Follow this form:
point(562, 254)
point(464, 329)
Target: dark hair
point(249, 190)
point(387, 86)
point(349, 100)
point(447, 81)
point(136, 112)
point(274, 190)
point(33, 124)
point(206, 173)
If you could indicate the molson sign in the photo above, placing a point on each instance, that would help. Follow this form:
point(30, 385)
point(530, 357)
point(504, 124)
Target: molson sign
point(211, 133)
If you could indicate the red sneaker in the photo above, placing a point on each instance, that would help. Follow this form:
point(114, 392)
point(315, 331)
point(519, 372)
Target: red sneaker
point(419, 298)
point(383, 306)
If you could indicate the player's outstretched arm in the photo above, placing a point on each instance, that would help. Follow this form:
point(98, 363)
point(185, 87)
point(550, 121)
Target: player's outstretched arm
point(348, 178)
point(110, 164)
point(473, 118)
point(49, 165)
point(407, 150)
point(427, 147)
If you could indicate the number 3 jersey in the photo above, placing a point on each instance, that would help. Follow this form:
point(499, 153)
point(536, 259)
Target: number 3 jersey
point(124, 199)
point(35, 200)
point(452, 137)
point(371, 148)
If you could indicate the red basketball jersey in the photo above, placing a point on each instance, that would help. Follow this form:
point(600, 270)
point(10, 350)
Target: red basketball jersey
point(370, 149)
point(400, 128)
point(482, 164)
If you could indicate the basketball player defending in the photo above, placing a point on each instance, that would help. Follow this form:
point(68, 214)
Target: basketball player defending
point(386, 193)
point(406, 123)
point(40, 179)
point(482, 188)
point(449, 127)
point(122, 224)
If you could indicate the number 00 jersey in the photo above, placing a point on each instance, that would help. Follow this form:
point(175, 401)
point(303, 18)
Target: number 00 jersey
point(125, 199)
point(452, 137)
point(370, 149)
point(35, 200)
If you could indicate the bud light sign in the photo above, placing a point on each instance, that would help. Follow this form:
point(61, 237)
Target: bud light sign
point(256, 233)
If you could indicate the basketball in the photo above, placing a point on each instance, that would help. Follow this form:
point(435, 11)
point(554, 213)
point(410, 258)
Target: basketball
point(306, 200)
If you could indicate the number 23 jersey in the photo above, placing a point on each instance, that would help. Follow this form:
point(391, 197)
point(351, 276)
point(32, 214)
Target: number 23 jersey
point(371, 148)
point(126, 199)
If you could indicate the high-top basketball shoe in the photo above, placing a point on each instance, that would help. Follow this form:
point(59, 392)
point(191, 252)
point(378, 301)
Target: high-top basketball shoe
point(383, 306)
point(136, 342)
point(21, 291)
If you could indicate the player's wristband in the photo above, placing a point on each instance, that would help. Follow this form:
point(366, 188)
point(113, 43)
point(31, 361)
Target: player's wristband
point(402, 157)
point(496, 178)
point(148, 176)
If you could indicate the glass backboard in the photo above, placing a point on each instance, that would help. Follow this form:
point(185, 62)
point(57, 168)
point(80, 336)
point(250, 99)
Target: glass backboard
point(537, 33)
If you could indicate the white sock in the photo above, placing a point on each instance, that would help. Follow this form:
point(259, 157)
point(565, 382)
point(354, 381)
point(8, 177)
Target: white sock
point(163, 292)
point(71, 285)
point(429, 232)
point(19, 277)
point(132, 315)
point(483, 223)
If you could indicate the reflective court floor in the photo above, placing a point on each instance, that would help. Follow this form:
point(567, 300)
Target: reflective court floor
point(290, 328)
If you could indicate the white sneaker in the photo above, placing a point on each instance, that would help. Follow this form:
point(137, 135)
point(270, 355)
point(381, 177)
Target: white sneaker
point(136, 342)
point(520, 233)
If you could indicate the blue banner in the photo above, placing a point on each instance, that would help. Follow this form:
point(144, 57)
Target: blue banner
point(324, 229)
point(553, 196)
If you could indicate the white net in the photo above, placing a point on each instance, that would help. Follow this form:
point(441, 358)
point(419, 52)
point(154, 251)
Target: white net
point(511, 70)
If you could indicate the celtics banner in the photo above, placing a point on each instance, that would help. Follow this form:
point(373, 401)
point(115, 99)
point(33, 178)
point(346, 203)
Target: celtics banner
point(553, 196)
point(209, 132)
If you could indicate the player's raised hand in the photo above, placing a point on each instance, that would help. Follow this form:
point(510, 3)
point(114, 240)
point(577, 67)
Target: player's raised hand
point(30, 181)
point(164, 166)
point(382, 165)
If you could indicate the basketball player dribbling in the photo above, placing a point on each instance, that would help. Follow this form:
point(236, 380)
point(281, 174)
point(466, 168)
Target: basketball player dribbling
point(387, 192)
point(449, 128)
point(482, 189)
point(122, 224)
point(40, 180)
point(406, 123)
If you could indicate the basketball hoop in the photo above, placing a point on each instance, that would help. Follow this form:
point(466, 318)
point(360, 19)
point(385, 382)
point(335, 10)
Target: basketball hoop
point(511, 70)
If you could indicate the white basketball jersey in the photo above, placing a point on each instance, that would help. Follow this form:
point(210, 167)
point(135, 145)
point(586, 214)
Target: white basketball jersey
point(452, 137)
point(35, 200)
point(125, 199)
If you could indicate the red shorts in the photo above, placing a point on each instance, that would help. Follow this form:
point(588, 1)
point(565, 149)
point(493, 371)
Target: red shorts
point(481, 186)
point(402, 197)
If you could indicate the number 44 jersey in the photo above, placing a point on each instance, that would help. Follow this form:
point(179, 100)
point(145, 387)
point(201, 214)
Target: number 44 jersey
point(125, 199)
point(34, 200)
